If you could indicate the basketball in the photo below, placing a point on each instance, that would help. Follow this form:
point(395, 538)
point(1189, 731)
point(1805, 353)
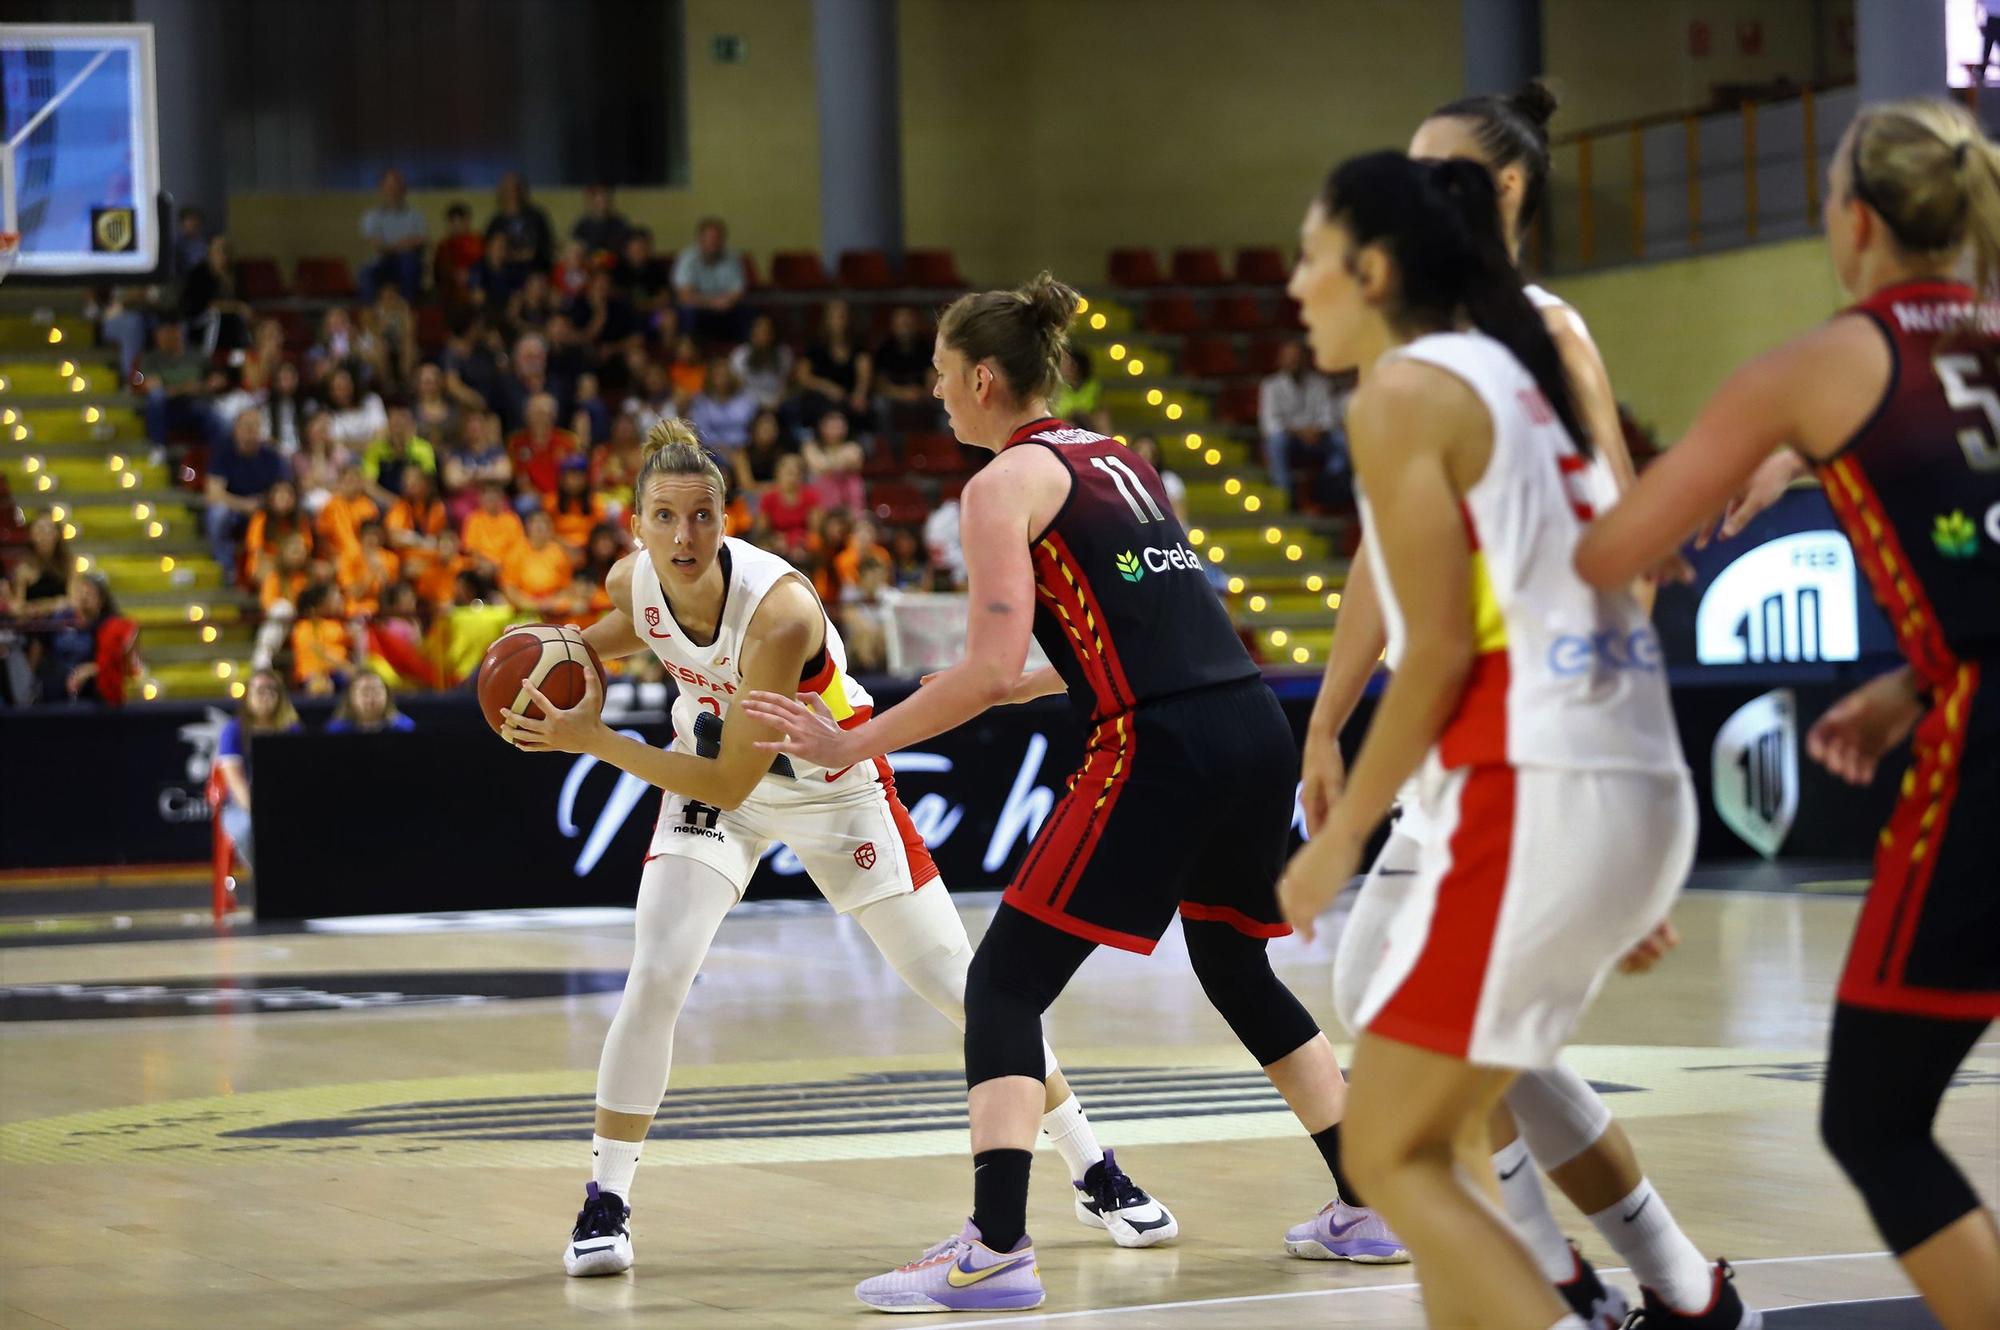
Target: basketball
point(549, 657)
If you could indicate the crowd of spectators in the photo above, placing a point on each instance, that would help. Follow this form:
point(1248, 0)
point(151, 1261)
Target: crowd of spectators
point(401, 508)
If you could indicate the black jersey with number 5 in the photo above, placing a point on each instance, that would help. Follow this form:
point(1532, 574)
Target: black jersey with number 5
point(1123, 606)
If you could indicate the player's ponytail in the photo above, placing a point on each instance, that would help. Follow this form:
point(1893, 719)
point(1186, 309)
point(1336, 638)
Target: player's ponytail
point(1439, 224)
point(1511, 131)
point(1934, 179)
point(1025, 332)
point(673, 449)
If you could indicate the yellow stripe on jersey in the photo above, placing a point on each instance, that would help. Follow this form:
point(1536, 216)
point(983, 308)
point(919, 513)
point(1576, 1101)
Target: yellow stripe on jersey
point(1489, 626)
point(835, 697)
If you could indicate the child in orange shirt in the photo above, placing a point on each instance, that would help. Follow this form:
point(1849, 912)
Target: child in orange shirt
point(437, 578)
point(368, 570)
point(340, 521)
point(538, 574)
point(493, 529)
point(575, 509)
point(322, 649)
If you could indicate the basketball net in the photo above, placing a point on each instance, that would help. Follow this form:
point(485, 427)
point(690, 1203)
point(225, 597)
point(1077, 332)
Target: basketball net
point(927, 634)
point(10, 249)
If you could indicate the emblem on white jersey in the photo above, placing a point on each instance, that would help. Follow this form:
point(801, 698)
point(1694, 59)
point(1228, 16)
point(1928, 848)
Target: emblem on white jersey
point(1756, 771)
point(1789, 599)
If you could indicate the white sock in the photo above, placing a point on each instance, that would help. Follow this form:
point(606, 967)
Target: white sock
point(1070, 1130)
point(1643, 1233)
point(1528, 1207)
point(613, 1165)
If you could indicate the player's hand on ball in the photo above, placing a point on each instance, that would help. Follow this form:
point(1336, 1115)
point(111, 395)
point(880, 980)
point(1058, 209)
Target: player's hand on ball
point(802, 732)
point(1651, 948)
point(1315, 876)
point(555, 730)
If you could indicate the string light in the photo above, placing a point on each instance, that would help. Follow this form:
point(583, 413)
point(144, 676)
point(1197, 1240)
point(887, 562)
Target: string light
point(55, 336)
point(1257, 604)
point(1215, 554)
point(1232, 486)
point(196, 613)
point(1272, 535)
point(1294, 553)
point(1251, 503)
point(1135, 367)
point(1197, 536)
point(1153, 395)
point(1173, 411)
point(236, 690)
point(1212, 456)
point(1315, 582)
point(1117, 351)
point(1097, 322)
point(1280, 637)
point(1301, 655)
point(1235, 586)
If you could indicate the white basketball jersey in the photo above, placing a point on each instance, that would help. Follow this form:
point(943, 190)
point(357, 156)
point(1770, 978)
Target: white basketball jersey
point(710, 677)
point(1565, 676)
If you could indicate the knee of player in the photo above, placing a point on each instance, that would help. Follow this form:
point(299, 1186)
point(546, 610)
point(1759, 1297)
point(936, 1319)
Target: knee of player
point(1379, 1145)
point(656, 979)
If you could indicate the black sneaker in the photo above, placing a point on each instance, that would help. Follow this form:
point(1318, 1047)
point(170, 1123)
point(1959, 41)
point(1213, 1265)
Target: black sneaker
point(1109, 1200)
point(1725, 1310)
point(600, 1244)
point(1601, 1308)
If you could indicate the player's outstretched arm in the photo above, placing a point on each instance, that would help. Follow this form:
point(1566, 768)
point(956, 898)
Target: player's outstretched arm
point(613, 637)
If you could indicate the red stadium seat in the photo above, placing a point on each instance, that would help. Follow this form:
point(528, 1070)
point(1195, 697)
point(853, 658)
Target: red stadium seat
point(798, 270)
point(432, 329)
point(1238, 314)
point(1209, 358)
point(752, 279)
point(1172, 314)
point(298, 329)
point(325, 277)
point(1135, 267)
point(898, 502)
point(883, 463)
point(1261, 265)
point(934, 454)
point(1198, 267)
point(1238, 404)
point(259, 279)
point(1286, 316)
point(932, 268)
point(866, 270)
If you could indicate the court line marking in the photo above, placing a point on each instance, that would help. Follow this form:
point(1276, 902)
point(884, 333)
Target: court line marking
point(1364, 1288)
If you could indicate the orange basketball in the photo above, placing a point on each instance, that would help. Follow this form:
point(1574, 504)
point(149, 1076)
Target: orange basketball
point(551, 658)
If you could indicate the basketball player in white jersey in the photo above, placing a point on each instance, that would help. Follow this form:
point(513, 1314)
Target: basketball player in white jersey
point(725, 617)
point(1532, 710)
point(1565, 1127)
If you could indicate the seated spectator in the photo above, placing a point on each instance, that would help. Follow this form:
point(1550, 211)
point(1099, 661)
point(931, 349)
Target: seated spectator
point(322, 641)
point(396, 234)
point(345, 512)
point(757, 465)
point(395, 640)
point(834, 461)
point(216, 320)
point(227, 399)
point(457, 253)
point(764, 363)
point(592, 419)
point(266, 354)
point(527, 374)
point(864, 542)
point(474, 621)
point(357, 417)
point(530, 240)
point(316, 467)
point(437, 577)
point(614, 464)
point(278, 592)
point(1295, 417)
point(416, 519)
point(654, 399)
point(688, 371)
point(569, 359)
point(533, 304)
point(492, 281)
point(601, 230)
point(17, 668)
point(437, 413)
point(367, 708)
point(944, 548)
point(1148, 447)
point(575, 508)
point(367, 570)
point(493, 531)
point(93, 654)
point(836, 374)
point(907, 568)
point(642, 274)
point(286, 409)
point(903, 373)
point(172, 379)
point(1081, 394)
point(709, 284)
point(266, 710)
point(832, 529)
point(238, 480)
point(605, 546)
point(398, 448)
point(471, 361)
point(393, 324)
point(722, 411)
point(343, 344)
point(603, 318)
point(538, 572)
point(124, 320)
point(279, 518)
point(539, 449)
point(41, 576)
point(190, 241)
point(788, 505)
point(866, 602)
point(572, 271)
point(479, 460)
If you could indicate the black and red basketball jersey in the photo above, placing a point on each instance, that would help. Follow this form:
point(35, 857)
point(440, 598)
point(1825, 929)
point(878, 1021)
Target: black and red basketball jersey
point(1918, 488)
point(1123, 607)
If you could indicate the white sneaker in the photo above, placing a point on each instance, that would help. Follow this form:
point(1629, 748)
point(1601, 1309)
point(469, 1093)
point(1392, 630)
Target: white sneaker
point(1108, 1199)
point(600, 1244)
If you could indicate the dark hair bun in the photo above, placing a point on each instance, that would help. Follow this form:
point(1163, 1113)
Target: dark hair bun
point(1536, 101)
point(1051, 303)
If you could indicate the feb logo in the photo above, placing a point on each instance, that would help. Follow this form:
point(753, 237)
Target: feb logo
point(864, 857)
point(652, 616)
point(1755, 771)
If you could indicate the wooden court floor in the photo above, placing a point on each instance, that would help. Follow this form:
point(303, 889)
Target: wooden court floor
point(373, 1148)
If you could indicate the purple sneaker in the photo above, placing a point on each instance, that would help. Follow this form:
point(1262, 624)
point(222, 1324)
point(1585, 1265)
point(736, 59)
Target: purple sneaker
point(1342, 1232)
point(960, 1274)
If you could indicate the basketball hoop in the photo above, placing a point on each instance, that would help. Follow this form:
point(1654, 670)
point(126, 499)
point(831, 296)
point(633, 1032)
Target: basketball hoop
point(10, 249)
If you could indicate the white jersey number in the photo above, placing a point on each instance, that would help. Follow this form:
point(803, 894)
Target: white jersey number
point(1128, 485)
point(1980, 446)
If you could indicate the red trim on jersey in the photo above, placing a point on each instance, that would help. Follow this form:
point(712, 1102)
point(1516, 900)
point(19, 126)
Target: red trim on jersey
point(1070, 591)
point(1062, 850)
point(1891, 575)
point(1471, 530)
point(1075, 927)
point(822, 677)
point(1476, 734)
point(1034, 427)
point(1236, 919)
point(1437, 1004)
point(922, 868)
point(1905, 861)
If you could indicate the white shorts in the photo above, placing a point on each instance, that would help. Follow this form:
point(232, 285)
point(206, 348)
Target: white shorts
point(1494, 913)
point(854, 836)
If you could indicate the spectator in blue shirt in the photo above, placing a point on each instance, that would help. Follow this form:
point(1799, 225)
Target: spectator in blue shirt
point(266, 710)
point(709, 281)
point(238, 479)
point(368, 709)
point(722, 411)
point(397, 232)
